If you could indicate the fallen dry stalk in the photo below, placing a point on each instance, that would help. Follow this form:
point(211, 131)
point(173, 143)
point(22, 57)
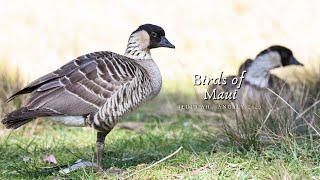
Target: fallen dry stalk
point(154, 164)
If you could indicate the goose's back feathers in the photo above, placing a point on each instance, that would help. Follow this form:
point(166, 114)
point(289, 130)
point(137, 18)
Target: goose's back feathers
point(229, 87)
point(100, 84)
point(250, 93)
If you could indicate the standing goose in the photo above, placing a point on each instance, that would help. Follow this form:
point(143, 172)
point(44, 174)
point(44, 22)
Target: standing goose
point(96, 89)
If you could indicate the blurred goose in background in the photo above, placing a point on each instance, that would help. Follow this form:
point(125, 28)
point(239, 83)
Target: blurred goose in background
point(96, 89)
point(258, 77)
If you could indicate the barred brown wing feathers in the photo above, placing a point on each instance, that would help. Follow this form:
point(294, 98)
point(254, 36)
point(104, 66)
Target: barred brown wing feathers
point(87, 87)
point(126, 99)
point(103, 84)
point(63, 71)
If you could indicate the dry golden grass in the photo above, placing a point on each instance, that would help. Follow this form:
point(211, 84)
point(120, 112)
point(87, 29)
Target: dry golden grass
point(282, 123)
point(10, 82)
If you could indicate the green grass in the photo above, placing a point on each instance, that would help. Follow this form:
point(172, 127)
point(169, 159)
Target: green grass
point(206, 153)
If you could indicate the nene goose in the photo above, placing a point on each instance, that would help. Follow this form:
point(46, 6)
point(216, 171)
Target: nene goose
point(258, 77)
point(96, 89)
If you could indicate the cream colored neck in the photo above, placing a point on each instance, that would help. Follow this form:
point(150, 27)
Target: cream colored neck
point(259, 71)
point(138, 50)
point(154, 74)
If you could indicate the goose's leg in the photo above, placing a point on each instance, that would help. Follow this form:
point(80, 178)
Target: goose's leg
point(101, 136)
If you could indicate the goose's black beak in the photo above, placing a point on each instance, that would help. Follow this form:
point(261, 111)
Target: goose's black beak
point(164, 42)
point(294, 61)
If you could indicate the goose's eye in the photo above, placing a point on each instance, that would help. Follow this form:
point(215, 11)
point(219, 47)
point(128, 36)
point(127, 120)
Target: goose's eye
point(153, 34)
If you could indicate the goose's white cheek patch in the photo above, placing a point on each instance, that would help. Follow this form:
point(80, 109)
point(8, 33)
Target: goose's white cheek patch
point(143, 38)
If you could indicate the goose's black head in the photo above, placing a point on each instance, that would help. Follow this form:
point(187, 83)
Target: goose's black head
point(285, 54)
point(156, 35)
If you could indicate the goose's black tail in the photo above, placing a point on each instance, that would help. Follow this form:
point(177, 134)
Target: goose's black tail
point(22, 116)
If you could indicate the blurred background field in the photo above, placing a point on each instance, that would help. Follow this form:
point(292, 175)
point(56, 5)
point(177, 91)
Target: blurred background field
point(210, 36)
point(37, 37)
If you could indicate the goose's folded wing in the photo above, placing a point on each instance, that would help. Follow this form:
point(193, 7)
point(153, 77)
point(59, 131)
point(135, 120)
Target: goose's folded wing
point(63, 71)
point(83, 85)
point(279, 85)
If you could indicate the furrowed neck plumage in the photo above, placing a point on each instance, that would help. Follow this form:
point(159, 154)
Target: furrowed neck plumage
point(138, 50)
point(137, 47)
point(259, 71)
